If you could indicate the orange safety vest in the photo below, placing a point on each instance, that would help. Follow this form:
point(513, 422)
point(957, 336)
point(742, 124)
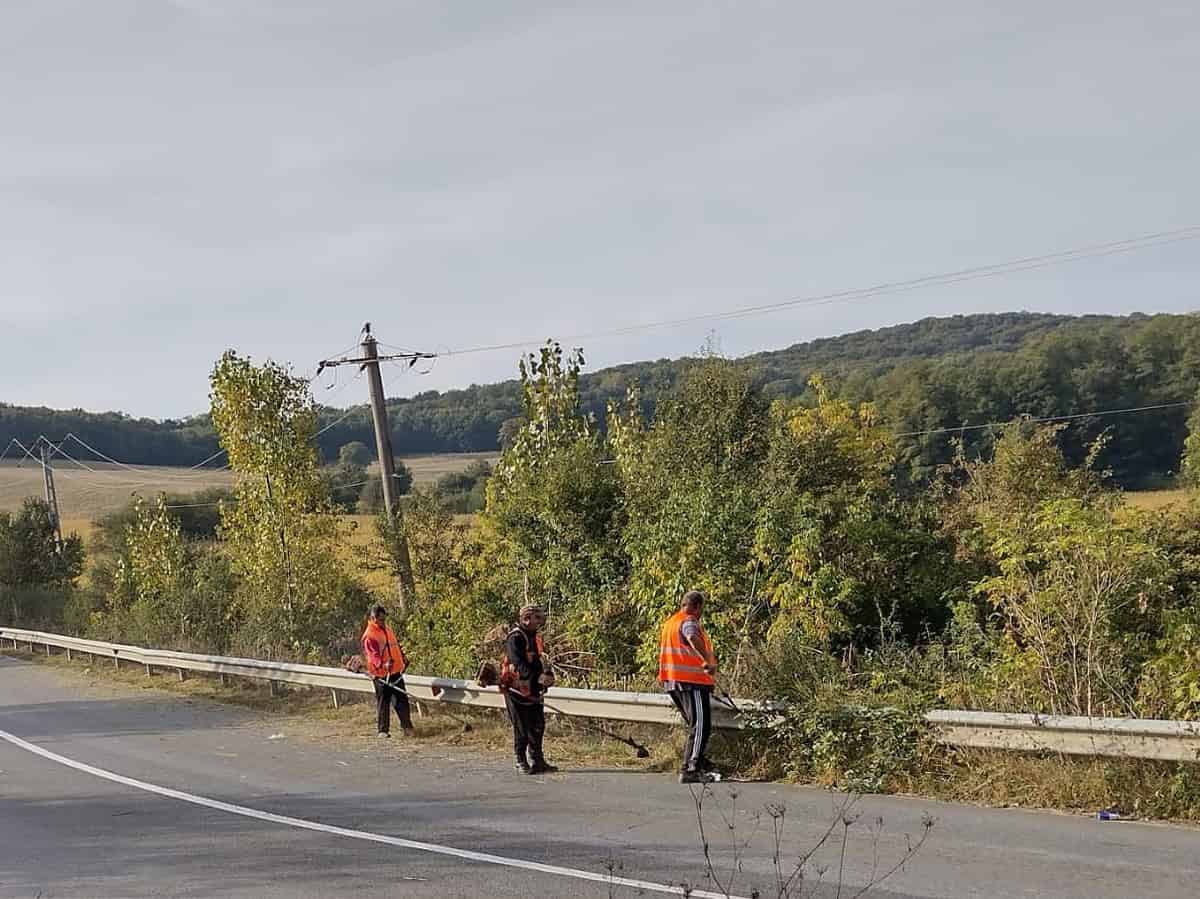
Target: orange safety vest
point(509, 679)
point(677, 661)
point(393, 655)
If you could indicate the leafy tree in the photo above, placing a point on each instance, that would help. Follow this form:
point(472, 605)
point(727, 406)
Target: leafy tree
point(1026, 469)
point(36, 573)
point(1191, 452)
point(551, 526)
point(463, 481)
point(553, 511)
point(1075, 587)
point(158, 569)
point(198, 514)
point(370, 500)
point(354, 453)
point(453, 606)
point(465, 491)
point(509, 429)
point(345, 483)
point(690, 484)
point(840, 556)
point(293, 594)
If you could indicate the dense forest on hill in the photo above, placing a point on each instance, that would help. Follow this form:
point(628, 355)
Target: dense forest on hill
point(933, 374)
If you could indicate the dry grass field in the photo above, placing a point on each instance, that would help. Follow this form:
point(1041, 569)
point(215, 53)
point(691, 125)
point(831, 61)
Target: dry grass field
point(86, 495)
point(1153, 500)
point(92, 494)
point(427, 469)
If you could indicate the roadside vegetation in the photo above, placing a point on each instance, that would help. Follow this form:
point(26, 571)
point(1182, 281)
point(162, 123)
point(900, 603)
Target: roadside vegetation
point(1012, 577)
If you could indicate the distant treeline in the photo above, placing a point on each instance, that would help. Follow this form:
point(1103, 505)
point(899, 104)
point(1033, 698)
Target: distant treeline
point(930, 375)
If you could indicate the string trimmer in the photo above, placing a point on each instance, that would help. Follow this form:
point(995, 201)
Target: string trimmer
point(723, 696)
point(466, 725)
point(642, 751)
point(489, 677)
point(356, 664)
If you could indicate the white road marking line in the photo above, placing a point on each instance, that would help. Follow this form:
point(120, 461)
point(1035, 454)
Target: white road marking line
point(287, 821)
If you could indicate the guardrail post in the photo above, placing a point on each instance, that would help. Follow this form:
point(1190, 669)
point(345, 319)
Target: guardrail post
point(47, 649)
point(182, 674)
point(337, 703)
point(69, 658)
point(149, 671)
point(224, 679)
point(116, 663)
point(275, 691)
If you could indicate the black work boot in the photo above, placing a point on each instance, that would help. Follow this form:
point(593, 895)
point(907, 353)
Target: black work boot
point(522, 767)
point(695, 776)
point(541, 766)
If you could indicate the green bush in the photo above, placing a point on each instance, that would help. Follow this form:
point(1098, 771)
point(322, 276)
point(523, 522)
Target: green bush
point(854, 748)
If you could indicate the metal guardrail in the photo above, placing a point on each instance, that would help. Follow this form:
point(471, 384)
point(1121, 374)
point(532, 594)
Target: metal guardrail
point(1140, 738)
point(1117, 737)
point(652, 708)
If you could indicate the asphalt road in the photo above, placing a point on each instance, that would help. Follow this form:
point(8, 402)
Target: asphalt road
point(68, 832)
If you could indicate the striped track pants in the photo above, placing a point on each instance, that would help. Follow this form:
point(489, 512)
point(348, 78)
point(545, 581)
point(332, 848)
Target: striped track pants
point(693, 704)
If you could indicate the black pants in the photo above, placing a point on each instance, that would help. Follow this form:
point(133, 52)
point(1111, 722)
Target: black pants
point(693, 704)
point(386, 698)
point(529, 727)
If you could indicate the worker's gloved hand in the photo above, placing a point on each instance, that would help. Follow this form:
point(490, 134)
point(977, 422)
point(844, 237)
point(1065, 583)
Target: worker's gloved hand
point(546, 680)
point(710, 667)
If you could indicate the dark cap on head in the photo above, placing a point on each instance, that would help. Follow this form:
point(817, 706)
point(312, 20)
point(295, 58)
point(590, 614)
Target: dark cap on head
point(691, 598)
point(377, 611)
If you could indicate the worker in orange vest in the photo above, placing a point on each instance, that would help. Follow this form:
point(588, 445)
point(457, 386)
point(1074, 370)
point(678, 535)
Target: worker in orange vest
point(687, 669)
point(386, 663)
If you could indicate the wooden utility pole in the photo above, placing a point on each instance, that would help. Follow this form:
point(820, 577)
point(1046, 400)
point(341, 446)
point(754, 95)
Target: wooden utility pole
point(383, 436)
point(369, 359)
point(387, 466)
point(51, 496)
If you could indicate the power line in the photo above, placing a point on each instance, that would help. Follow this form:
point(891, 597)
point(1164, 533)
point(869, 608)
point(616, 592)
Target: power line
point(410, 358)
point(155, 472)
point(234, 499)
point(11, 443)
point(58, 450)
point(353, 410)
point(210, 459)
point(135, 469)
point(1012, 266)
point(1045, 419)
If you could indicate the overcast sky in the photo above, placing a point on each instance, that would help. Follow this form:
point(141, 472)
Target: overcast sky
point(181, 177)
